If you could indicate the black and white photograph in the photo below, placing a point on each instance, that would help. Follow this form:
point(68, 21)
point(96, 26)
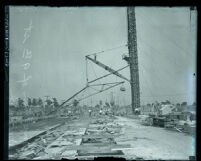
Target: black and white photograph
point(102, 81)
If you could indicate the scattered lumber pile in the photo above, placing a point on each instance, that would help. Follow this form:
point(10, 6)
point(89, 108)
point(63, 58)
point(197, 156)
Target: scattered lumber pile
point(182, 126)
point(146, 120)
point(169, 124)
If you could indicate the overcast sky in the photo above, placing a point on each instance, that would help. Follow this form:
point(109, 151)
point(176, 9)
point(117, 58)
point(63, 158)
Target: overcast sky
point(60, 38)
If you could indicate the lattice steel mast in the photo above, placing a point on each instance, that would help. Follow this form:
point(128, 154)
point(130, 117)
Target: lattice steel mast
point(133, 58)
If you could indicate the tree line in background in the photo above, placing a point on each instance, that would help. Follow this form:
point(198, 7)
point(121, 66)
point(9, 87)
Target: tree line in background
point(48, 102)
point(37, 106)
point(33, 107)
point(37, 102)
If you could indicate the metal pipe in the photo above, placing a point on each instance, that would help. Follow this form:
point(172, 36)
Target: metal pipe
point(105, 83)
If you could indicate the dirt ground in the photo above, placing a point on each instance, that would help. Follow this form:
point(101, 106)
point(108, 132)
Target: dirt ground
point(146, 142)
point(150, 142)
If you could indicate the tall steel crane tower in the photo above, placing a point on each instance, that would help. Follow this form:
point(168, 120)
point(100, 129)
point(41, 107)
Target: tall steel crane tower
point(133, 58)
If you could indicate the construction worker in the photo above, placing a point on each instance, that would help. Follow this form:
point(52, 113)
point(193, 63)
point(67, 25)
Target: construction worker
point(89, 113)
point(100, 112)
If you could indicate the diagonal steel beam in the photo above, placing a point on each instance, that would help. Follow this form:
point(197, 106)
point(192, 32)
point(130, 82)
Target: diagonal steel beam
point(104, 84)
point(107, 68)
point(107, 74)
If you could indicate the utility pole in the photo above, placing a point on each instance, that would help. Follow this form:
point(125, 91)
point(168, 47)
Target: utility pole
point(133, 58)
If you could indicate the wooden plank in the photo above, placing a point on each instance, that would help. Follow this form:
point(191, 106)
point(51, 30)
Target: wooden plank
point(177, 129)
point(101, 136)
point(92, 146)
point(98, 144)
point(61, 138)
point(94, 130)
point(95, 156)
point(93, 136)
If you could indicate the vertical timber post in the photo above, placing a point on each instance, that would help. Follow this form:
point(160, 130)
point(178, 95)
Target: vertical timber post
point(133, 61)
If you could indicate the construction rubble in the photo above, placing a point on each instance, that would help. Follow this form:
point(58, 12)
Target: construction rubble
point(185, 126)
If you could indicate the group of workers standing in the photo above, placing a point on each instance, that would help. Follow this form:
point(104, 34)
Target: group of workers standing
point(100, 112)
